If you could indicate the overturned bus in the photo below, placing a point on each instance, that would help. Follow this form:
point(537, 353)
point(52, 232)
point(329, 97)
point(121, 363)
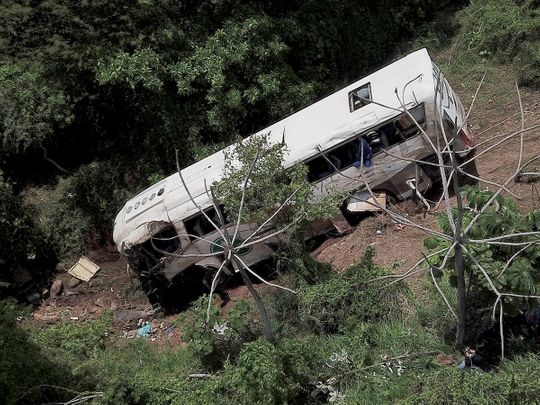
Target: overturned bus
point(369, 111)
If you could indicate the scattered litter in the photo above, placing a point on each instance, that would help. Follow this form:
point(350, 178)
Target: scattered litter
point(145, 330)
point(74, 318)
point(84, 269)
point(220, 329)
point(379, 232)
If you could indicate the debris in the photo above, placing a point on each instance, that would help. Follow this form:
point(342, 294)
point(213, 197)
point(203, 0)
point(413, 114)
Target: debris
point(144, 331)
point(130, 334)
point(84, 269)
point(56, 288)
point(73, 282)
point(200, 375)
point(220, 329)
point(379, 232)
point(74, 318)
point(45, 317)
point(341, 224)
point(362, 201)
point(156, 324)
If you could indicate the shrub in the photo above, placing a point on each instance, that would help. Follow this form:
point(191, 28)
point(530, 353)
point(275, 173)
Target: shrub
point(258, 376)
point(23, 364)
point(503, 217)
point(22, 250)
point(222, 337)
point(509, 31)
point(80, 207)
point(515, 382)
point(347, 299)
point(75, 341)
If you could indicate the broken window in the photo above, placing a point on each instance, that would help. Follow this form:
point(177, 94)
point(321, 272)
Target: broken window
point(360, 97)
point(385, 136)
point(405, 126)
point(147, 256)
point(199, 225)
point(318, 169)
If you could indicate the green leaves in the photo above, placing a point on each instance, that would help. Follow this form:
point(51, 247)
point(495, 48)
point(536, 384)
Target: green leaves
point(142, 67)
point(270, 185)
point(31, 108)
point(518, 262)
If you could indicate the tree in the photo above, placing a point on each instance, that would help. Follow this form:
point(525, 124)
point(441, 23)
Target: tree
point(257, 189)
point(469, 246)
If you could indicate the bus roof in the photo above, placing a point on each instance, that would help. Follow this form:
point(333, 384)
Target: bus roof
point(325, 123)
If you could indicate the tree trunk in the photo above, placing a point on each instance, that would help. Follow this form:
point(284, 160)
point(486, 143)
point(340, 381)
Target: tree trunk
point(462, 296)
point(459, 265)
point(267, 326)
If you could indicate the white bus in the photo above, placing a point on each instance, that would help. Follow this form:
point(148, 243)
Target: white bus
point(367, 111)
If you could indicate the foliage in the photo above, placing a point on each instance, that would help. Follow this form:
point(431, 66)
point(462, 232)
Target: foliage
point(258, 376)
point(23, 364)
point(80, 207)
point(76, 341)
point(221, 337)
point(31, 108)
point(516, 379)
point(509, 32)
point(501, 218)
point(346, 299)
point(270, 185)
point(22, 250)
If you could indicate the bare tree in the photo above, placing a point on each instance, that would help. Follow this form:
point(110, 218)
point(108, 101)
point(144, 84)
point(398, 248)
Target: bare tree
point(460, 236)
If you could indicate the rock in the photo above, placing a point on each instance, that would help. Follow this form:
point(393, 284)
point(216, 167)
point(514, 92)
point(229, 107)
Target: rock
point(100, 302)
point(73, 282)
point(34, 298)
point(56, 288)
point(126, 315)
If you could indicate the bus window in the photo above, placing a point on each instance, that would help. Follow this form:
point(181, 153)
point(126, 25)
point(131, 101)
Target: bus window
point(318, 169)
point(199, 225)
point(360, 97)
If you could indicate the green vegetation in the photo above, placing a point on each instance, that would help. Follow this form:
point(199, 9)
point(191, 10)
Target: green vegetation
point(509, 32)
point(95, 96)
point(371, 351)
point(507, 275)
